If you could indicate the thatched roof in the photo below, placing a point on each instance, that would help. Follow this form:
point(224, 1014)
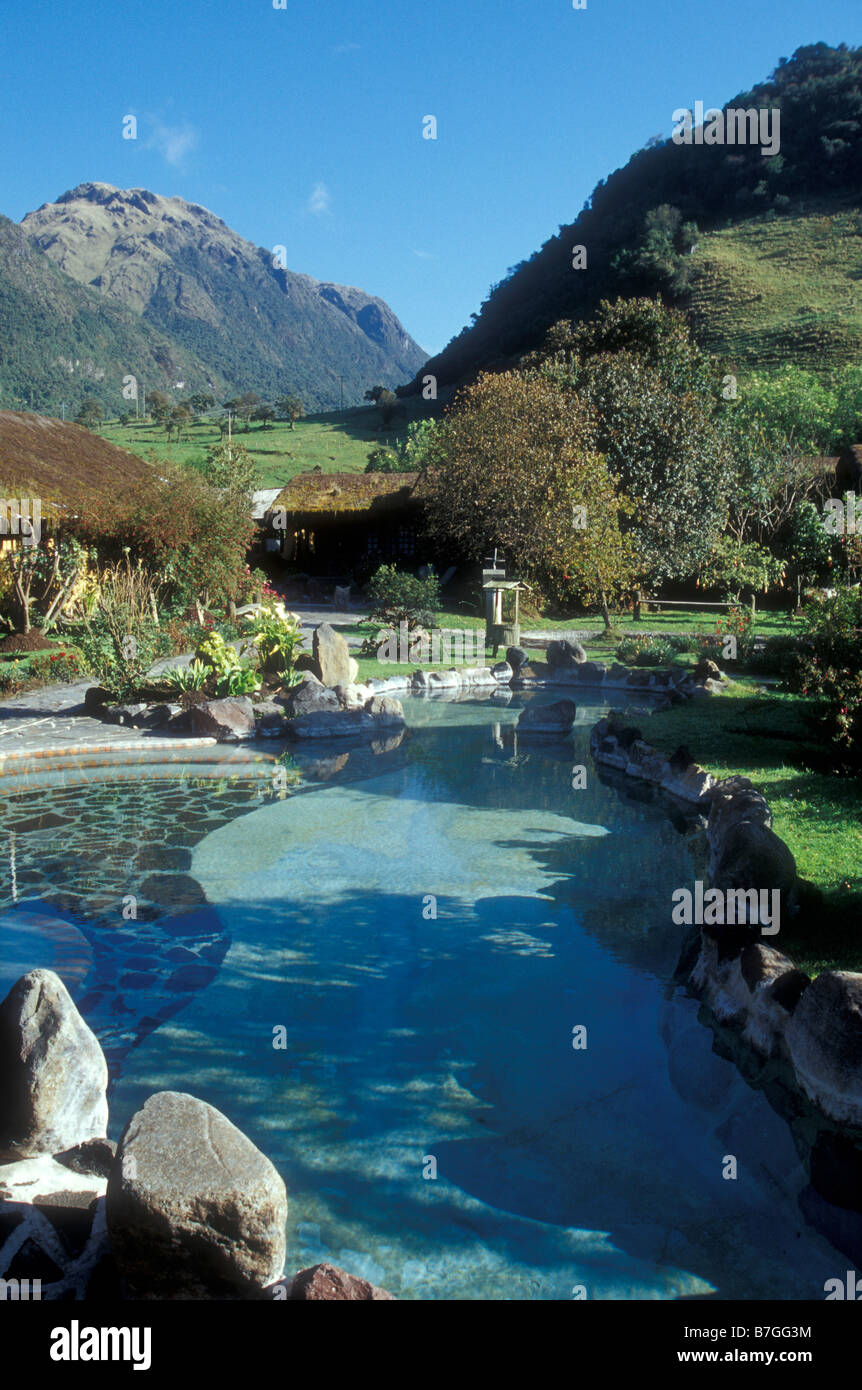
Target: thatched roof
point(61, 463)
point(331, 494)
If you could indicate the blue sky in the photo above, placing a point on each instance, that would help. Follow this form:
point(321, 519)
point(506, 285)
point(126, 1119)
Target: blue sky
point(302, 127)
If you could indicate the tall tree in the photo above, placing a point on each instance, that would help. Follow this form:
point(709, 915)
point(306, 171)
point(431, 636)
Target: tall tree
point(512, 466)
point(290, 408)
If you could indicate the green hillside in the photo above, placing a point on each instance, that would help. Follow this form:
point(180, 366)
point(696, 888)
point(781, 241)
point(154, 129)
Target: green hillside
point(337, 442)
point(762, 249)
point(788, 289)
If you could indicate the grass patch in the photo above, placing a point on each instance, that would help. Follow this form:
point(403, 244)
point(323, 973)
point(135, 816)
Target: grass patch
point(336, 442)
point(817, 813)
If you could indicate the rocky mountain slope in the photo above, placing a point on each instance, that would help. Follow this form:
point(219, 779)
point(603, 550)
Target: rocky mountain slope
point(188, 299)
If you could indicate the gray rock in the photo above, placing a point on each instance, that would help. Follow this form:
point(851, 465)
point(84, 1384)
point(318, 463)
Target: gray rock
point(307, 696)
point(824, 1039)
point(332, 655)
point(517, 657)
point(269, 722)
point(592, 672)
point(194, 1210)
point(352, 696)
point(732, 802)
point(706, 670)
point(53, 1074)
point(444, 680)
point(386, 710)
point(564, 653)
point(688, 783)
point(341, 597)
point(747, 990)
point(227, 720)
point(343, 723)
point(557, 718)
point(750, 855)
point(502, 672)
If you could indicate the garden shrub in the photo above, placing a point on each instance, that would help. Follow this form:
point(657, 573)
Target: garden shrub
point(829, 669)
point(119, 640)
point(643, 649)
point(402, 597)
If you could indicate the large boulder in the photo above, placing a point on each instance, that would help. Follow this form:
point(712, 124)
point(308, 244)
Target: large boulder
point(386, 710)
point(824, 1039)
point(750, 855)
point(332, 655)
point(352, 696)
point(557, 718)
point(347, 723)
point(227, 720)
point(326, 1283)
point(706, 670)
point(308, 695)
point(733, 800)
point(517, 657)
point(591, 672)
point(757, 990)
point(53, 1074)
point(564, 653)
point(194, 1210)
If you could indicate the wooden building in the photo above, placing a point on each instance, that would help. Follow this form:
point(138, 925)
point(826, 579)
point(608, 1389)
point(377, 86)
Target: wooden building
point(332, 523)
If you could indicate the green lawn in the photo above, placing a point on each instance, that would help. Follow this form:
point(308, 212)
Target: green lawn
point(817, 813)
point(600, 645)
point(338, 442)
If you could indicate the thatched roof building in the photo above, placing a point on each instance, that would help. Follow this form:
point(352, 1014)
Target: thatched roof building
point(63, 464)
point(331, 522)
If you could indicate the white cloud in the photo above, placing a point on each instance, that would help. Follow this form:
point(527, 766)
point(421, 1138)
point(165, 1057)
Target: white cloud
point(173, 142)
point(347, 48)
point(426, 255)
point(320, 200)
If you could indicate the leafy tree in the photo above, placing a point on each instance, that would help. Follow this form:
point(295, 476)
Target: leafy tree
point(246, 405)
point(808, 547)
point(231, 468)
point(201, 401)
point(410, 456)
point(265, 414)
point(91, 413)
point(290, 408)
point(374, 394)
point(190, 535)
point(158, 404)
point(513, 466)
point(658, 415)
point(387, 404)
point(179, 417)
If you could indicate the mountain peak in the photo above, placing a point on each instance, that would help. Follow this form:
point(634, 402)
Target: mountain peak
point(218, 296)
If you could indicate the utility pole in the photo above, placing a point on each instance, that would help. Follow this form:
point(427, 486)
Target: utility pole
point(341, 379)
point(64, 410)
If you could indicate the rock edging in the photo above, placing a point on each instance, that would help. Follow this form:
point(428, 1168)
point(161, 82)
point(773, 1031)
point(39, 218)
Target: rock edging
point(814, 1026)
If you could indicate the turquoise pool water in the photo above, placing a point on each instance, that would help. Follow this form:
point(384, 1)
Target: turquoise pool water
point(377, 976)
